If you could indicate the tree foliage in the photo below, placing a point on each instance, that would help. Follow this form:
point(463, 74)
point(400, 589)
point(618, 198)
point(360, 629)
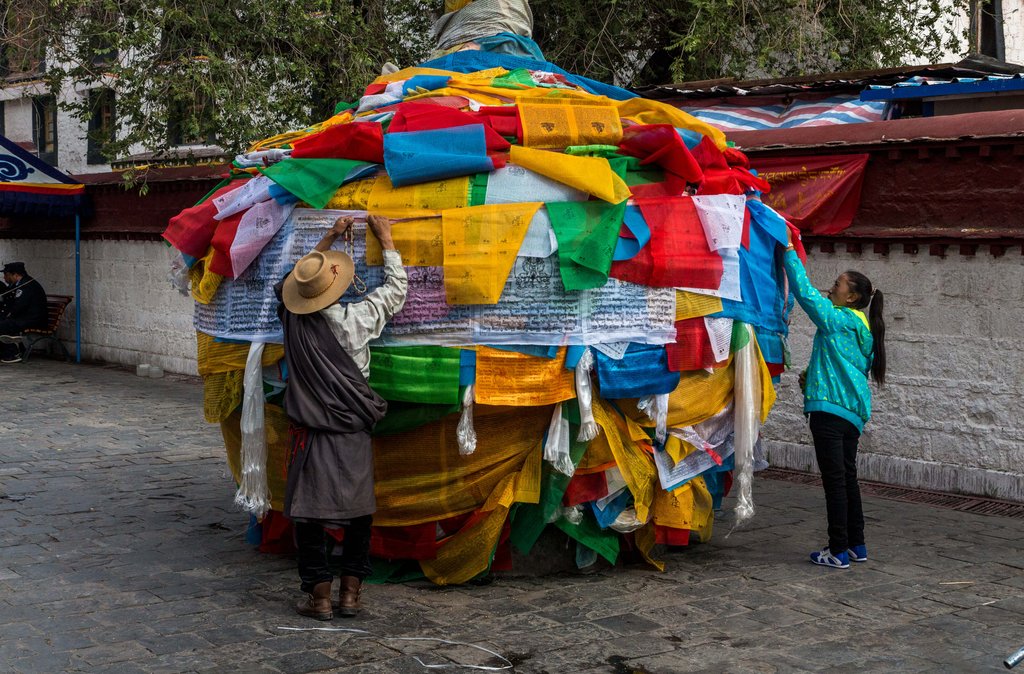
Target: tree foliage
point(225, 72)
point(230, 71)
point(643, 42)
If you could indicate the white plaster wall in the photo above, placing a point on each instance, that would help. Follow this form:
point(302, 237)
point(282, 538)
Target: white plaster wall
point(130, 312)
point(949, 416)
point(72, 140)
point(1013, 30)
point(18, 119)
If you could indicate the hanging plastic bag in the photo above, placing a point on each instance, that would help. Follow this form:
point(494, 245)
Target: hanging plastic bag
point(585, 397)
point(253, 494)
point(627, 521)
point(747, 399)
point(656, 409)
point(556, 447)
point(178, 274)
point(465, 432)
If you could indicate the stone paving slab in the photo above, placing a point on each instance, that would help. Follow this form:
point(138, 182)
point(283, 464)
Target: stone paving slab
point(121, 552)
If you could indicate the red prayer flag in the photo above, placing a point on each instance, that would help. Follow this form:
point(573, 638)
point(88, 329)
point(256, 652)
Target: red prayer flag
point(726, 172)
point(503, 119)
point(660, 144)
point(692, 348)
point(192, 230)
point(678, 255)
point(416, 541)
point(584, 488)
point(428, 117)
point(223, 237)
point(669, 536)
point(363, 141)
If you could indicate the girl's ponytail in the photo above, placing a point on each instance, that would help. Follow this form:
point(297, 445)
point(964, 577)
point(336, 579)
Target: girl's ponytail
point(877, 325)
point(874, 302)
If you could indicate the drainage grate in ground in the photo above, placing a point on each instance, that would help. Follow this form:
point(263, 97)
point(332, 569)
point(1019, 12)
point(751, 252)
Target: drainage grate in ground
point(971, 504)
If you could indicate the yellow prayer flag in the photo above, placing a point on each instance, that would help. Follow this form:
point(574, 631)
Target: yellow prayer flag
point(420, 476)
point(645, 537)
point(687, 507)
point(419, 240)
point(646, 111)
point(636, 466)
point(468, 553)
point(213, 356)
point(592, 175)
point(512, 378)
point(480, 247)
point(436, 195)
point(204, 283)
point(562, 123)
point(693, 305)
point(353, 196)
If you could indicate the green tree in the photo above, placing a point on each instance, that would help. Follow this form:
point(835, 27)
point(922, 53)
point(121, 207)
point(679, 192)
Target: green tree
point(225, 71)
point(231, 71)
point(643, 42)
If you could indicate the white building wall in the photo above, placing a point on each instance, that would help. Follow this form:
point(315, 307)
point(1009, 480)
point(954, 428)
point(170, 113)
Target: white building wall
point(1013, 30)
point(72, 138)
point(130, 312)
point(949, 416)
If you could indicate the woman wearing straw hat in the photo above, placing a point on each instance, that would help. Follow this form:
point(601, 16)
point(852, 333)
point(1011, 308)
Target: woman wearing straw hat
point(333, 409)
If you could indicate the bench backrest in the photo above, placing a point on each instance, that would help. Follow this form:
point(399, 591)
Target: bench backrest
point(55, 307)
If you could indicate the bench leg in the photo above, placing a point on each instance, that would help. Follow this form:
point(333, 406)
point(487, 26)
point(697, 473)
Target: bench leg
point(29, 344)
point(67, 354)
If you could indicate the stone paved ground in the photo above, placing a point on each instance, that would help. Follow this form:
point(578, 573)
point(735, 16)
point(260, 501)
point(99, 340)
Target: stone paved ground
point(120, 552)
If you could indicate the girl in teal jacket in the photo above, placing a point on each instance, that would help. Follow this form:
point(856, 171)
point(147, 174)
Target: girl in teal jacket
point(848, 348)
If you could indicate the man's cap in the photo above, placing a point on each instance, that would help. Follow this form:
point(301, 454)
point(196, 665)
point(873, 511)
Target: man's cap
point(15, 268)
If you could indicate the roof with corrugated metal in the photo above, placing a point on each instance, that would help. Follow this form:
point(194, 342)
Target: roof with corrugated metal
point(852, 81)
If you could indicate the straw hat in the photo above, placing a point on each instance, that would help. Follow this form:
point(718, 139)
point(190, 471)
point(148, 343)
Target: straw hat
point(317, 281)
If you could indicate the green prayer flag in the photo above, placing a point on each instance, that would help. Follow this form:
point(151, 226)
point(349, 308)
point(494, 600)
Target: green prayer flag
point(314, 180)
point(402, 417)
point(604, 542)
point(587, 232)
point(519, 78)
point(343, 106)
point(606, 151)
point(416, 374)
point(478, 189)
point(740, 336)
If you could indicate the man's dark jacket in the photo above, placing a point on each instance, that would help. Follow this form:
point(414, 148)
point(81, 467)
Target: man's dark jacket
point(24, 305)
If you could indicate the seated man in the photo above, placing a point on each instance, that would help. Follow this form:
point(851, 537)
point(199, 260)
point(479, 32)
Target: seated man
point(24, 307)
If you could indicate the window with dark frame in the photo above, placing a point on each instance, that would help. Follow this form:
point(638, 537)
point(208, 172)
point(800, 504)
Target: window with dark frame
point(44, 128)
point(190, 123)
point(101, 124)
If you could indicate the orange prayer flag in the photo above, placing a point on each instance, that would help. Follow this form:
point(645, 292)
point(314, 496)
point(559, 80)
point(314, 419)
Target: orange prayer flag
point(512, 378)
point(559, 125)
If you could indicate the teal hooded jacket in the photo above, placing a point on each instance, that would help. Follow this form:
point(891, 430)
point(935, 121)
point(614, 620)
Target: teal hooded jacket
point(837, 375)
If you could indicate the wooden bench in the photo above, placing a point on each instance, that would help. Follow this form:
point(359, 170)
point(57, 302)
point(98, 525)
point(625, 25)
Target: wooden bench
point(55, 307)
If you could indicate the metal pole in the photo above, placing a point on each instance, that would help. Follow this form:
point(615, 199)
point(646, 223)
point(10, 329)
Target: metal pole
point(78, 288)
